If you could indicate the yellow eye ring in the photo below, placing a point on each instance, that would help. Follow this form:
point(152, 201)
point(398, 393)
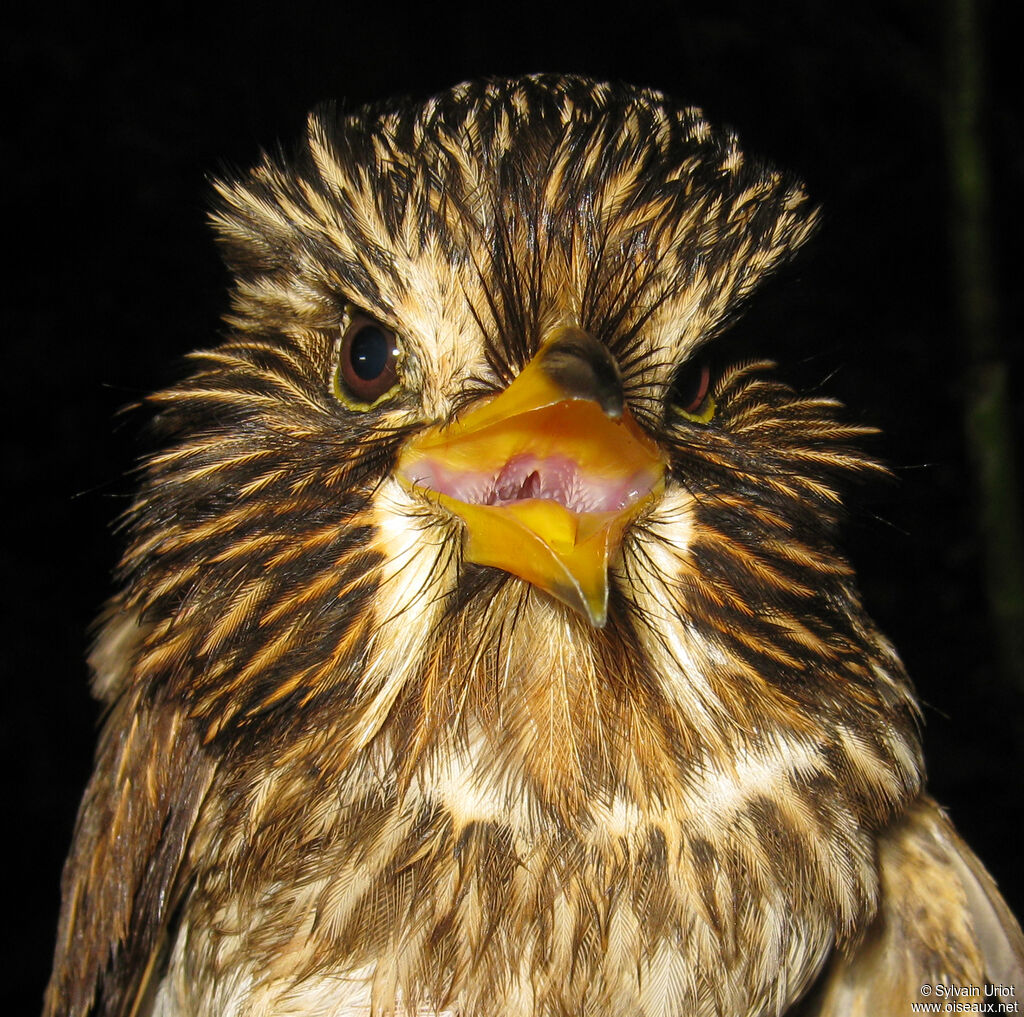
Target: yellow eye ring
point(691, 396)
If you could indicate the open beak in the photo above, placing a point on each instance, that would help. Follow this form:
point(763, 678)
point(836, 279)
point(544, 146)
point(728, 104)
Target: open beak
point(547, 475)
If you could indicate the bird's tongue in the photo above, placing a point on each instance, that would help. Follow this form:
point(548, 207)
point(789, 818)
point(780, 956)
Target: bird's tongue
point(545, 484)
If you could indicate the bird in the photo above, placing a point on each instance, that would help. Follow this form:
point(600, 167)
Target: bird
point(480, 645)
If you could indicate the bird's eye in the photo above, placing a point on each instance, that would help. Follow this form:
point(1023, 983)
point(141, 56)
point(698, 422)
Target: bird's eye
point(690, 395)
point(367, 371)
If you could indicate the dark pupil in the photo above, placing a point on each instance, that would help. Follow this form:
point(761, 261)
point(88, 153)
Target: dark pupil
point(370, 351)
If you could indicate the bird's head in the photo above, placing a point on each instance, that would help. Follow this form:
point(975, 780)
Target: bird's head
point(458, 481)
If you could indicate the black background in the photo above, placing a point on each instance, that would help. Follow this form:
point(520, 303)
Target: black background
point(114, 125)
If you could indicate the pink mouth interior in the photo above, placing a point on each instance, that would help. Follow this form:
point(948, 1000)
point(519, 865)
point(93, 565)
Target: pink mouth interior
point(555, 478)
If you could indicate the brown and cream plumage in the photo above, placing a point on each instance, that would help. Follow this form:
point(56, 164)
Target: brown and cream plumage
point(478, 652)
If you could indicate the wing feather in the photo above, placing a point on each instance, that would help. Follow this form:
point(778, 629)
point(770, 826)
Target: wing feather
point(941, 922)
point(125, 876)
